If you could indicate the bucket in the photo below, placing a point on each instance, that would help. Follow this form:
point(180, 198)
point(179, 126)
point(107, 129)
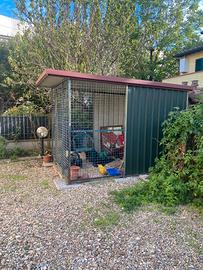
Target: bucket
point(47, 158)
point(113, 171)
point(74, 172)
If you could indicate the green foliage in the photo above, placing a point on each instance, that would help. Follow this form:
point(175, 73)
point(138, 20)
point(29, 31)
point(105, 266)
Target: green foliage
point(102, 37)
point(16, 152)
point(3, 151)
point(164, 28)
point(90, 38)
point(16, 177)
point(45, 184)
point(177, 177)
point(6, 95)
point(13, 153)
point(109, 219)
point(25, 109)
point(11, 183)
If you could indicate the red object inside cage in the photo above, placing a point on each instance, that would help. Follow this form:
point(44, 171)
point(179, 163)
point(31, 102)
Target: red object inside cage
point(112, 140)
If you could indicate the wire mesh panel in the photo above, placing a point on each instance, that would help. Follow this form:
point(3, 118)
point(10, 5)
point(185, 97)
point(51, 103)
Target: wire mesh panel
point(88, 129)
point(97, 129)
point(60, 125)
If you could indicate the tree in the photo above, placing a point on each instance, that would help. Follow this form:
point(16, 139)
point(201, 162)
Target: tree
point(164, 28)
point(87, 36)
point(5, 96)
point(8, 95)
point(135, 38)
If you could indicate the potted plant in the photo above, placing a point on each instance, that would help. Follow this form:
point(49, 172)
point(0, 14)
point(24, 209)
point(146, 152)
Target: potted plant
point(47, 157)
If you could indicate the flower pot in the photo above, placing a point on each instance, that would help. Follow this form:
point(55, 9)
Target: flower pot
point(47, 158)
point(74, 172)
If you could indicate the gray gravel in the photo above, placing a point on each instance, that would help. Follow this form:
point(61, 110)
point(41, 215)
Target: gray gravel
point(42, 228)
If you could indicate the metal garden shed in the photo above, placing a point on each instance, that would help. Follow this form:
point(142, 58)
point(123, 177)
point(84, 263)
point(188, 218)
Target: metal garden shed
point(104, 125)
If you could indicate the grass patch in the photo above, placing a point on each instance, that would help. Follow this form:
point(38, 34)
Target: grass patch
point(197, 209)
point(153, 193)
point(13, 177)
point(194, 245)
point(130, 198)
point(173, 226)
point(16, 177)
point(45, 184)
point(102, 216)
point(169, 210)
point(109, 219)
point(193, 240)
point(157, 207)
point(13, 153)
point(88, 209)
point(105, 205)
point(8, 188)
point(11, 182)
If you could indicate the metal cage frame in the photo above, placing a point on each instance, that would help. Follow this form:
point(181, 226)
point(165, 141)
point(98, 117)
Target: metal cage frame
point(137, 107)
point(83, 114)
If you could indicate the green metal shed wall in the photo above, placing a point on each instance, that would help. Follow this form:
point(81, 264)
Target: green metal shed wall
point(147, 108)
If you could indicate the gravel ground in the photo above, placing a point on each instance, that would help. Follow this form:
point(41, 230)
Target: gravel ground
point(42, 228)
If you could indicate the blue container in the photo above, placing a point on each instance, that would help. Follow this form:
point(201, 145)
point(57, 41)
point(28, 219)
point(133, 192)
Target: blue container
point(113, 171)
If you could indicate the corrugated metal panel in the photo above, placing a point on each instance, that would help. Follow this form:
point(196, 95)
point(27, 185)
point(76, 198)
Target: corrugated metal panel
point(147, 108)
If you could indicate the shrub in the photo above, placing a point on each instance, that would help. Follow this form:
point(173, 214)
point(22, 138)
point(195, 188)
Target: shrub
point(17, 152)
point(3, 144)
point(25, 109)
point(13, 153)
point(177, 177)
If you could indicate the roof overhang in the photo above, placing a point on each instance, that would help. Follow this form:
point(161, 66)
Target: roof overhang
point(50, 78)
point(189, 51)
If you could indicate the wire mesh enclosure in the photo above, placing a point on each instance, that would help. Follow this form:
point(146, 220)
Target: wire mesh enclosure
point(107, 126)
point(88, 129)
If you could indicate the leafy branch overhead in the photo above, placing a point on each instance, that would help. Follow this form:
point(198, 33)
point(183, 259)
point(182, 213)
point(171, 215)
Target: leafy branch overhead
point(100, 36)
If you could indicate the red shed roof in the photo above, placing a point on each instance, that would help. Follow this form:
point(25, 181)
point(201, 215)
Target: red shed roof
point(52, 77)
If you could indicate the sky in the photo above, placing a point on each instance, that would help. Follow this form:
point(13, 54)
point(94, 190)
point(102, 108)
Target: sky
point(7, 7)
point(201, 4)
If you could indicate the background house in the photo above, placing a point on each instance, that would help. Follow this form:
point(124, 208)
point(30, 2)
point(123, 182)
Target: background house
point(8, 27)
point(190, 68)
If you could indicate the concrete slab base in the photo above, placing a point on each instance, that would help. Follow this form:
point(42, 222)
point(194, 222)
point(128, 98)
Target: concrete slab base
point(127, 179)
point(131, 179)
point(61, 184)
point(143, 176)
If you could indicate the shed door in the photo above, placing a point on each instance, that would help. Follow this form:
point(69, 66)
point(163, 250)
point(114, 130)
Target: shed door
point(147, 108)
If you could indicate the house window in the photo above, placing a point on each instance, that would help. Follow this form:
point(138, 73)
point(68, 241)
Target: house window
point(199, 64)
